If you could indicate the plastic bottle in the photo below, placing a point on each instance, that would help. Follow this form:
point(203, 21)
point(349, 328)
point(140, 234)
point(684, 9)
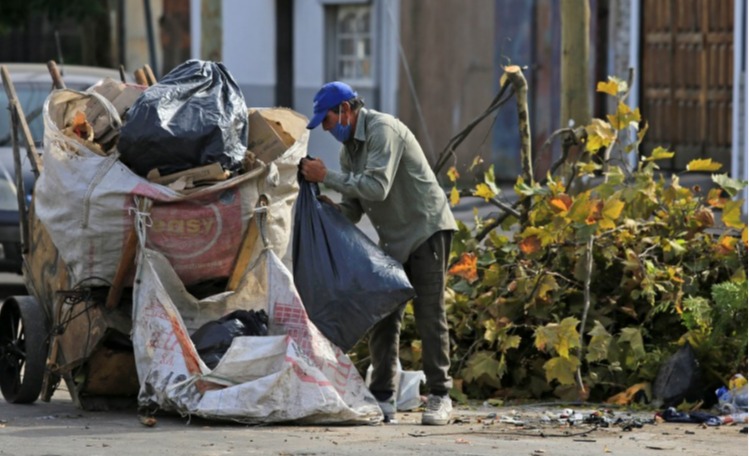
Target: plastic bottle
point(732, 401)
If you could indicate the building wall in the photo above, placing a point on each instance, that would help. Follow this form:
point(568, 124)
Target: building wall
point(136, 34)
point(249, 52)
point(526, 34)
point(448, 45)
point(309, 74)
point(454, 77)
point(249, 43)
point(174, 34)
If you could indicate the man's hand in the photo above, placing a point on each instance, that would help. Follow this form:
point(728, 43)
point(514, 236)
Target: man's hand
point(313, 169)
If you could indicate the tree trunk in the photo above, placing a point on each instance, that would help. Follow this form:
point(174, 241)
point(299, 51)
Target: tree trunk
point(211, 31)
point(575, 57)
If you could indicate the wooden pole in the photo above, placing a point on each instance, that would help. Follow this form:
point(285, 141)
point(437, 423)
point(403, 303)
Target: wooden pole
point(10, 91)
point(149, 75)
point(140, 77)
point(20, 188)
point(55, 73)
point(515, 76)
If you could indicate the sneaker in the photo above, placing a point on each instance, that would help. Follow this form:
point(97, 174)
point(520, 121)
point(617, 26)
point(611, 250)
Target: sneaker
point(388, 411)
point(438, 410)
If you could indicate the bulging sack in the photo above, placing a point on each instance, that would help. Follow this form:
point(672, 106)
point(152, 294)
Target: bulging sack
point(346, 282)
point(195, 115)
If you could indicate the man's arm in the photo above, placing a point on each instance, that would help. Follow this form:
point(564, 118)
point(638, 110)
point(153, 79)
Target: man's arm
point(385, 150)
point(314, 170)
point(350, 207)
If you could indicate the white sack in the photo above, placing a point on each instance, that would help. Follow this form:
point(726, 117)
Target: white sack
point(84, 201)
point(295, 374)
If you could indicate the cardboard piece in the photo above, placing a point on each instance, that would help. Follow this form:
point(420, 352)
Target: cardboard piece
point(213, 172)
point(121, 96)
point(272, 131)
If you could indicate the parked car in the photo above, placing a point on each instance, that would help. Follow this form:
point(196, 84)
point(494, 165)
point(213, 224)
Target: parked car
point(33, 83)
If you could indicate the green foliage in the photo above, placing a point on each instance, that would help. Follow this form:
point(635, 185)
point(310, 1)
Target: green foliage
point(662, 271)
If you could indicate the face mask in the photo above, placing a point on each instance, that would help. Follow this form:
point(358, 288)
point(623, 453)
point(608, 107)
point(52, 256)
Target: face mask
point(339, 132)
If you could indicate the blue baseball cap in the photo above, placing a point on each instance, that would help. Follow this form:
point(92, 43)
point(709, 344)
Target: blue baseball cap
point(328, 97)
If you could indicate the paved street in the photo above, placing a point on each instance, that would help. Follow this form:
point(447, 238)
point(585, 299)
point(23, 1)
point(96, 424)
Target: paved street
point(58, 428)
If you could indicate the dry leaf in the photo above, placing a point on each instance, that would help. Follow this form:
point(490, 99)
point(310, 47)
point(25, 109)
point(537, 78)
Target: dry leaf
point(466, 267)
point(530, 245)
point(561, 203)
point(149, 421)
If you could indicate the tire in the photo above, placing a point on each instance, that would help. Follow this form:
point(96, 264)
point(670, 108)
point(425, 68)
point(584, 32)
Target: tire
point(24, 344)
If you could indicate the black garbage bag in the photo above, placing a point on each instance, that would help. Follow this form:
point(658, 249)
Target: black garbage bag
point(213, 339)
point(346, 282)
point(196, 115)
point(679, 378)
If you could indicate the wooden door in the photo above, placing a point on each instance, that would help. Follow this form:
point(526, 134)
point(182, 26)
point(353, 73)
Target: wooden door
point(687, 78)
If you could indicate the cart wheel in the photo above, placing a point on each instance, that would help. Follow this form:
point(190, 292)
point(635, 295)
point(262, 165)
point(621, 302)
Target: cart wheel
point(23, 349)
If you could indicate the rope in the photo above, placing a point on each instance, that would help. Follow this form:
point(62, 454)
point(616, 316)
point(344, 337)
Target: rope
point(142, 213)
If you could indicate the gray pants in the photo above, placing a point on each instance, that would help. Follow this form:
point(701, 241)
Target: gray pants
point(425, 269)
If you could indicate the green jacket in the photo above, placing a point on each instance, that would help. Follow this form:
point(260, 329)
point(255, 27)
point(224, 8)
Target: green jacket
point(385, 174)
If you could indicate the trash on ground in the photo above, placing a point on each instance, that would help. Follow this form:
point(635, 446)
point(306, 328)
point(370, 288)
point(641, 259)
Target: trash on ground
point(732, 400)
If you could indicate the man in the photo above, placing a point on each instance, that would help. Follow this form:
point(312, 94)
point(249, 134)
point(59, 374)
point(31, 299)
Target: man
point(385, 174)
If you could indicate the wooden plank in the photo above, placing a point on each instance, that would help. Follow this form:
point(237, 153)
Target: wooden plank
point(124, 268)
point(252, 233)
point(682, 94)
point(212, 172)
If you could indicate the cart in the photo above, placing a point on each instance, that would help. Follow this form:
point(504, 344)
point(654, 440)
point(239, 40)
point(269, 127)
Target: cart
point(78, 331)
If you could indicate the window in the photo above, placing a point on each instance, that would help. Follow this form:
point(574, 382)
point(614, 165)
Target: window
point(353, 56)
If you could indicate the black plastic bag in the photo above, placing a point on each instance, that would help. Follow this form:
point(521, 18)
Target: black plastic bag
point(346, 282)
point(679, 378)
point(196, 115)
point(213, 339)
